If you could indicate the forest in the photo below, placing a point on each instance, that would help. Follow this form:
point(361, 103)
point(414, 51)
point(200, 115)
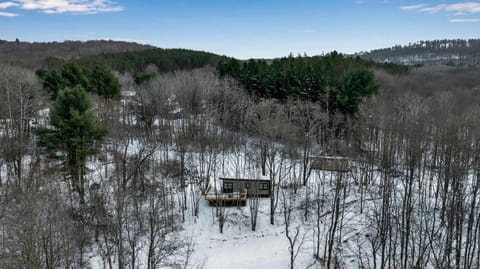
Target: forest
point(104, 162)
point(446, 51)
point(35, 55)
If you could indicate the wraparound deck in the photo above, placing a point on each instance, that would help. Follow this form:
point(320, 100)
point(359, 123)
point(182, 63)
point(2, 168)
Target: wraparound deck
point(227, 199)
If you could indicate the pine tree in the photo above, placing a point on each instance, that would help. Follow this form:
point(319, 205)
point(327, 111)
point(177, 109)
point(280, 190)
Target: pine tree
point(73, 136)
point(355, 85)
point(104, 83)
point(52, 81)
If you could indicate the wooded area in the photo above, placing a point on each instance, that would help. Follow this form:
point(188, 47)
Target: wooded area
point(88, 175)
point(464, 52)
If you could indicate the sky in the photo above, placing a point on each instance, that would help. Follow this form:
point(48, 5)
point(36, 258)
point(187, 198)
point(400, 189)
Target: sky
point(243, 28)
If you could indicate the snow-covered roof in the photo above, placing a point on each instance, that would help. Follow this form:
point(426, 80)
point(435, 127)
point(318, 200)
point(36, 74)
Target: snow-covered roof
point(329, 157)
point(256, 178)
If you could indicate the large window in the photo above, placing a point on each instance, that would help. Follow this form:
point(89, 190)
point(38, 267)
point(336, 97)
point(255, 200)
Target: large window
point(263, 186)
point(227, 187)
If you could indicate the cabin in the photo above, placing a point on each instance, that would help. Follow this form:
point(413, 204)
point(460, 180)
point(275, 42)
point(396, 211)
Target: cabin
point(236, 191)
point(252, 187)
point(331, 163)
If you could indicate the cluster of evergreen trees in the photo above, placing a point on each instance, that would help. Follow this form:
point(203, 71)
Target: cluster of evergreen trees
point(98, 79)
point(337, 82)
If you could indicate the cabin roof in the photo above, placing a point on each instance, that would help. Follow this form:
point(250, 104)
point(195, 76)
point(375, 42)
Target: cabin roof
point(262, 178)
point(329, 157)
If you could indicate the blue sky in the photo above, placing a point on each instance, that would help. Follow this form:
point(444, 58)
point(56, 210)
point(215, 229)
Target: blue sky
point(243, 28)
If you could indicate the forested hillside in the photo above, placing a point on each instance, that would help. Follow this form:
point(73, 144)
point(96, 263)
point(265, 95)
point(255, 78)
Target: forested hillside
point(106, 162)
point(164, 60)
point(447, 51)
point(34, 55)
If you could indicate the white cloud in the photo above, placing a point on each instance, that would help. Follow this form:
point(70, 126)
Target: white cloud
point(454, 9)
point(68, 6)
point(4, 5)
point(464, 20)
point(414, 7)
point(468, 7)
point(8, 14)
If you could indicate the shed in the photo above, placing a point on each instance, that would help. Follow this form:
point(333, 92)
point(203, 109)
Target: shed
point(253, 187)
point(331, 163)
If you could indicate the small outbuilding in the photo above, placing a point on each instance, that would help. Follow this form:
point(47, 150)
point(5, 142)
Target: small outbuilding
point(331, 163)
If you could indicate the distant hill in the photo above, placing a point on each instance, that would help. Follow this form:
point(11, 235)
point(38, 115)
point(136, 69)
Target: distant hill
point(447, 51)
point(35, 55)
point(164, 60)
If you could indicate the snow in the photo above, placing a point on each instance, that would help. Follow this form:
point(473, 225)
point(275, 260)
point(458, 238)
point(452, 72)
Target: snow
point(129, 93)
point(44, 112)
point(238, 246)
point(267, 247)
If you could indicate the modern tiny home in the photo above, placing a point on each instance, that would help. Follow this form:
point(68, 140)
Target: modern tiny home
point(253, 187)
point(330, 163)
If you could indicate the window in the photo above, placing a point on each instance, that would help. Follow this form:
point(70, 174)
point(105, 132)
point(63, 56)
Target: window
point(263, 186)
point(227, 187)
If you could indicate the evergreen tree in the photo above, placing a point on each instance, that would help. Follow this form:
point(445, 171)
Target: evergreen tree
point(73, 136)
point(52, 81)
point(104, 83)
point(355, 85)
point(74, 75)
point(142, 77)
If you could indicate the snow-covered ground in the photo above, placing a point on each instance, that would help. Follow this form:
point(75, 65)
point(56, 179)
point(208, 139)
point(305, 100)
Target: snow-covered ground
point(238, 247)
point(267, 247)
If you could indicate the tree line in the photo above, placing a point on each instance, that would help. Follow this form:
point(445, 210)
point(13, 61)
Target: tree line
point(164, 60)
point(36, 54)
point(446, 51)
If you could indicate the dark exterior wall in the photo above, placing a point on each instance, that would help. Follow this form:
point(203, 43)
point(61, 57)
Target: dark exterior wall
point(253, 187)
point(330, 164)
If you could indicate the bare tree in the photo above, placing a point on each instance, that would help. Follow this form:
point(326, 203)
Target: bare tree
point(294, 235)
point(160, 223)
point(253, 203)
point(21, 99)
point(269, 121)
point(36, 233)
